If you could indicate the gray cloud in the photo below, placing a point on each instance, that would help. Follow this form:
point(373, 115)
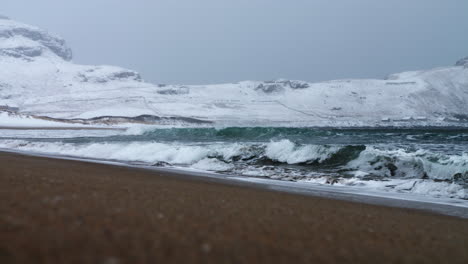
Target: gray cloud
point(215, 41)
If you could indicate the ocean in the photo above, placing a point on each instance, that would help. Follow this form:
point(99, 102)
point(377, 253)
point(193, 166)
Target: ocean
point(426, 162)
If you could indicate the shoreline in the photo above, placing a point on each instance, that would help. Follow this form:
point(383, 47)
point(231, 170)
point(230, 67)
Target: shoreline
point(58, 128)
point(68, 211)
point(344, 193)
point(404, 128)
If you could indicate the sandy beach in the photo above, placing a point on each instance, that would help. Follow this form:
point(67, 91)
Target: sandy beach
point(59, 211)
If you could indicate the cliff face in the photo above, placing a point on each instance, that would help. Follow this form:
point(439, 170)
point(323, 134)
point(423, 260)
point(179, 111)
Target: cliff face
point(37, 72)
point(26, 42)
point(38, 78)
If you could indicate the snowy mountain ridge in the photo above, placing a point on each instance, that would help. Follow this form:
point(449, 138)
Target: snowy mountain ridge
point(38, 78)
point(24, 41)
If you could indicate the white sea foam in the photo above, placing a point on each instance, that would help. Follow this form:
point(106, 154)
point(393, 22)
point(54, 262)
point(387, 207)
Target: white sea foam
point(409, 168)
point(286, 151)
point(400, 163)
point(208, 164)
point(151, 152)
point(174, 153)
point(136, 130)
point(412, 186)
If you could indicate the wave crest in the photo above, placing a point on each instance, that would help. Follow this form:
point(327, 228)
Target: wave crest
point(402, 163)
point(283, 160)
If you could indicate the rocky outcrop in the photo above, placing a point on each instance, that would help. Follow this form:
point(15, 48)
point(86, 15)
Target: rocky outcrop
point(280, 85)
point(293, 84)
point(25, 53)
point(104, 74)
point(176, 90)
point(269, 88)
point(31, 41)
point(462, 62)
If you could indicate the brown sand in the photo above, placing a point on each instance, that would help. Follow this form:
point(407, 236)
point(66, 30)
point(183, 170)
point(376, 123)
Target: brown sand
point(55, 211)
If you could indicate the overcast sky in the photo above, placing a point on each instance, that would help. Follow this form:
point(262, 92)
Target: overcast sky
point(216, 41)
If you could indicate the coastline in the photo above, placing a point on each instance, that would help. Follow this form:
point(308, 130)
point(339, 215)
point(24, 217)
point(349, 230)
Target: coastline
point(450, 207)
point(57, 211)
point(58, 128)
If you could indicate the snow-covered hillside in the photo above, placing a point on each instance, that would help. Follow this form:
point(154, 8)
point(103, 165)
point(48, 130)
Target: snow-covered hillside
point(38, 78)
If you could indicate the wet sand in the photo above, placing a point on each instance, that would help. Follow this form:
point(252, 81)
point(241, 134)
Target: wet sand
point(60, 211)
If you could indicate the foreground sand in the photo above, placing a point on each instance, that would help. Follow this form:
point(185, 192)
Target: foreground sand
point(55, 211)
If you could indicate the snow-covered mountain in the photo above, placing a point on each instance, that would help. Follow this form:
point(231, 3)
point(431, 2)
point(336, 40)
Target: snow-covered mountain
point(38, 78)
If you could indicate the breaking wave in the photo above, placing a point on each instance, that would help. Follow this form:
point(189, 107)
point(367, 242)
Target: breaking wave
point(424, 162)
point(371, 161)
point(404, 163)
point(187, 154)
